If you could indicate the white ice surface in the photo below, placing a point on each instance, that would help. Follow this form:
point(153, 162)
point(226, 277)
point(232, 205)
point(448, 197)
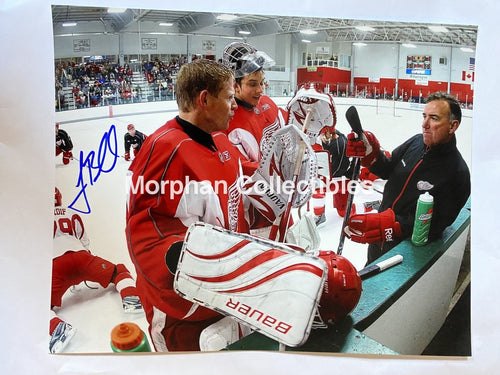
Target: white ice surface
point(94, 312)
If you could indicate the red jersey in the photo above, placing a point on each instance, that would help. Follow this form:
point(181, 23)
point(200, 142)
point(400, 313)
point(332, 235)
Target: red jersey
point(251, 128)
point(175, 182)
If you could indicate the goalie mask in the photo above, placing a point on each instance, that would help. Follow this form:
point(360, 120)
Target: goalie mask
point(342, 288)
point(243, 59)
point(324, 114)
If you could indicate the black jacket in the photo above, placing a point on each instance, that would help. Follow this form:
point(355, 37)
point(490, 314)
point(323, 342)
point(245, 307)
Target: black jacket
point(135, 141)
point(340, 164)
point(63, 140)
point(413, 169)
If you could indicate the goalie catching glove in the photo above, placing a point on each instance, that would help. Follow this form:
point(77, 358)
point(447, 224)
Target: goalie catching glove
point(324, 113)
point(373, 227)
point(269, 188)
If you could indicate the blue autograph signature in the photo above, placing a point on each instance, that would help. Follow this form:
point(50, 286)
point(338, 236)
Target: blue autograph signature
point(96, 165)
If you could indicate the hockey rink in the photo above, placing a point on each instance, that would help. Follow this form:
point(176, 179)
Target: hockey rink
point(94, 312)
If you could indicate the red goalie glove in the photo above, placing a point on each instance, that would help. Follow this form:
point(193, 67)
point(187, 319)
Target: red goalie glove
point(370, 228)
point(366, 148)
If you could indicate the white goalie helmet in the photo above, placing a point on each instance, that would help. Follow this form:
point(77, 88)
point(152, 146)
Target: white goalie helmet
point(243, 59)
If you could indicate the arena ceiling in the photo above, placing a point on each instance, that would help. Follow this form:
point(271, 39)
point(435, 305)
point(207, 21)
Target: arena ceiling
point(328, 29)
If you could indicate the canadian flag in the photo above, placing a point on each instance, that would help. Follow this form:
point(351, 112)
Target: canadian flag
point(468, 75)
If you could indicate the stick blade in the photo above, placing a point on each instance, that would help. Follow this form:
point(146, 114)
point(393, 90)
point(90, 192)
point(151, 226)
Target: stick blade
point(353, 119)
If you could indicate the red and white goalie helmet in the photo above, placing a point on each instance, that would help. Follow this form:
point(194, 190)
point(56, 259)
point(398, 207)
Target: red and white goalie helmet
point(342, 288)
point(324, 115)
point(57, 198)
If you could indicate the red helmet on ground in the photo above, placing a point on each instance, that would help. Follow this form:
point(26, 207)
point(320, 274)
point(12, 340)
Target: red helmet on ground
point(57, 198)
point(342, 288)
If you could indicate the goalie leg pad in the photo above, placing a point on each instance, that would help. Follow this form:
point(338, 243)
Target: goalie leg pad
point(264, 284)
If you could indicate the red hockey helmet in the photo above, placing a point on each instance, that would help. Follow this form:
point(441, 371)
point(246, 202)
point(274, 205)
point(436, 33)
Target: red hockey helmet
point(342, 288)
point(57, 198)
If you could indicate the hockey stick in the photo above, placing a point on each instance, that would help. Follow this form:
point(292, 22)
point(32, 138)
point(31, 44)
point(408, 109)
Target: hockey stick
point(353, 120)
point(380, 266)
point(282, 223)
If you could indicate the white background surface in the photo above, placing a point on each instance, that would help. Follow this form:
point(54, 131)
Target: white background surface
point(27, 174)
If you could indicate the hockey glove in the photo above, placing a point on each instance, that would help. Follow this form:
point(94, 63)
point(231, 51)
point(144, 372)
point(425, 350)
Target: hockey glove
point(340, 195)
point(366, 148)
point(67, 156)
point(366, 175)
point(127, 156)
point(373, 227)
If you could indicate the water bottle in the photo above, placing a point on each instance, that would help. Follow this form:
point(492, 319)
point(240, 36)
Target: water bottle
point(128, 337)
point(423, 215)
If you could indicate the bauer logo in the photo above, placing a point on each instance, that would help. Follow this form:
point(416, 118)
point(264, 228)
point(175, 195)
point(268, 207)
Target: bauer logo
point(254, 317)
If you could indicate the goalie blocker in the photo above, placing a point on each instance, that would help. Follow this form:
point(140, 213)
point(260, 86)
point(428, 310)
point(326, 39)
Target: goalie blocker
point(266, 285)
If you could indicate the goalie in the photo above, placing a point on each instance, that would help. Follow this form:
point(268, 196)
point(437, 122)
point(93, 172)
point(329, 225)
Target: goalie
point(257, 116)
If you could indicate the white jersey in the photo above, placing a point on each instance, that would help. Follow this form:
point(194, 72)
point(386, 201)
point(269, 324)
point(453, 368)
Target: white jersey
point(69, 231)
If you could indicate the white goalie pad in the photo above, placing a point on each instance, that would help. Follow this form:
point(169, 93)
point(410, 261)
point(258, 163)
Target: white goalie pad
point(272, 183)
point(263, 284)
point(324, 114)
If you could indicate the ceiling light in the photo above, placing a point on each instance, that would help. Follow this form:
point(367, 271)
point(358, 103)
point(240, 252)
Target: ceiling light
point(438, 29)
point(227, 17)
point(306, 41)
point(69, 24)
point(359, 44)
point(308, 32)
point(244, 32)
point(117, 10)
point(365, 28)
point(409, 45)
point(466, 49)
point(166, 24)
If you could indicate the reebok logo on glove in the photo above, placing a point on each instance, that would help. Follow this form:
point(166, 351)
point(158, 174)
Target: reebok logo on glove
point(373, 227)
point(388, 234)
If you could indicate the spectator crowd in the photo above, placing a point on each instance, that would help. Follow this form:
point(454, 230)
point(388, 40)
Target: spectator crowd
point(95, 83)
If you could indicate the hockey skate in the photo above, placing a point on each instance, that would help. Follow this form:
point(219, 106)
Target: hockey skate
point(61, 337)
point(132, 304)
